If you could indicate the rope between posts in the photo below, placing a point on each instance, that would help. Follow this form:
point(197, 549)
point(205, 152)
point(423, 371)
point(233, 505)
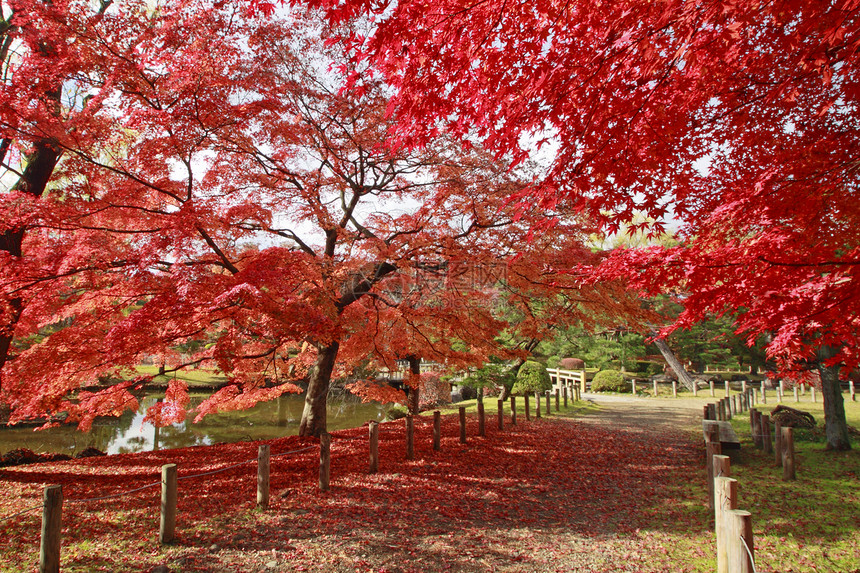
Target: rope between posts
point(114, 494)
point(20, 513)
point(218, 471)
point(224, 469)
point(147, 486)
point(752, 561)
point(345, 437)
point(294, 451)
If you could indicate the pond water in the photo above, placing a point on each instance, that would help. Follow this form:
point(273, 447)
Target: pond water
point(128, 433)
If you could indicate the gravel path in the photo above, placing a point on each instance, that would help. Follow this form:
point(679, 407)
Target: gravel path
point(645, 414)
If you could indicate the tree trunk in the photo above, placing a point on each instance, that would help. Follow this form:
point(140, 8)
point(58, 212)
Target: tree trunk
point(835, 425)
point(314, 415)
point(6, 331)
point(33, 180)
point(413, 393)
point(676, 365)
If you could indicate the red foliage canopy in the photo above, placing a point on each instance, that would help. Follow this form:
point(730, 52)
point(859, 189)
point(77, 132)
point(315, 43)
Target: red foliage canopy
point(214, 199)
point(737, 118)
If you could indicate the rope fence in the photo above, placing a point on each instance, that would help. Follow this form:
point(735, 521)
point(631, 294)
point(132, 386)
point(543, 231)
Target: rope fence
point(158, 483)
point(733, 527)
point(49, 557)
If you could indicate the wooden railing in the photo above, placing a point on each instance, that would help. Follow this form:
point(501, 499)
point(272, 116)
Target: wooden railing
point(572, 378)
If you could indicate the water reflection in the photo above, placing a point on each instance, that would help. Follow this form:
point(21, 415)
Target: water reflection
point(128, 433)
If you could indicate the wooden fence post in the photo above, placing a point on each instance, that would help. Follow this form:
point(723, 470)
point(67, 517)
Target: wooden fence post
point(547, 395)
point(410, 438)
point(482, 430)
point(374, 446)
point(263, 464)
point(759, 429)
point(583, 380)
point(721, 411)
point(462, 411)
point(765, 434)
point(788, 472)
point(712, 448)
point(706, 412)
point(741, 550)
point(777, 441)
point(557, 402)
point(167, 526)
point(500, 414)
point(325, 460)
point(728, 389)
point(711, 384)
point(755, 423)
point(851, 390)
point(725, 499)
point(437, 430)
point(528, 408)
point(674, 388)
point(655, 388)
point(813, 393)
point(633, 390)
point(564, 392)
point(513, 410)
point(796, 397)
point(712, 412)
point(722, 465)
point(743, 386)
point(753, 433)
point(52, 523)
point(537, 405)
point(763, 393)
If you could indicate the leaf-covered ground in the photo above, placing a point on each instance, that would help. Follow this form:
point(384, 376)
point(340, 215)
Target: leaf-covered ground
point(613, 492)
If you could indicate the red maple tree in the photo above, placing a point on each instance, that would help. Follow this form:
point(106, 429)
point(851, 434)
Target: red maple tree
point(739, 119)
point(216, 199)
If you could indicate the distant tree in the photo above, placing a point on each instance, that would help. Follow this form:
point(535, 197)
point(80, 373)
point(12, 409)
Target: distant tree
point(606, 348)
point(493, 374)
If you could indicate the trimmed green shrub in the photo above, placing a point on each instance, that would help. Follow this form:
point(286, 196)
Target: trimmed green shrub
point(571, 364)
point(609, 381)
point(532, 378)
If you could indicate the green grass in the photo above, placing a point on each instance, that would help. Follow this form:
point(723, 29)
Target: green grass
point(812, 522)
point(809, 524)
